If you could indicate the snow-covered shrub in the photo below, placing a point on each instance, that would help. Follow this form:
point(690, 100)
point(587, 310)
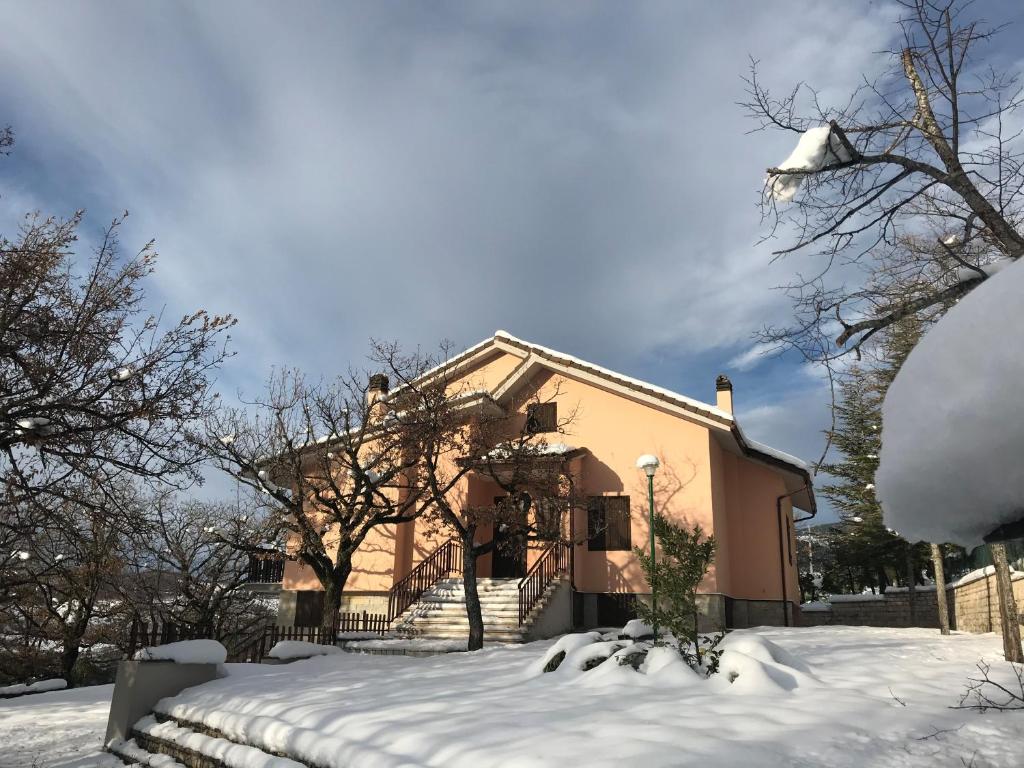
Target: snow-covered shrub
point(564, 645)
point(637, 629)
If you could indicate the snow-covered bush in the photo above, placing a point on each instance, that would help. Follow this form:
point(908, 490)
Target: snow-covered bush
point(563, 646)
point(747, 663)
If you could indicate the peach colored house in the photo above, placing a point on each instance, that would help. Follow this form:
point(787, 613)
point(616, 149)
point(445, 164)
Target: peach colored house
point(740, 491)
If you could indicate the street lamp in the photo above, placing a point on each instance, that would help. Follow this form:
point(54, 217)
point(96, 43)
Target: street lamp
point(649, 464)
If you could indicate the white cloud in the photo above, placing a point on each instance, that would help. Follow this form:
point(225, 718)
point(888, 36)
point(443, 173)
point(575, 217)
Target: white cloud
point(330, 172)
point(752, 357)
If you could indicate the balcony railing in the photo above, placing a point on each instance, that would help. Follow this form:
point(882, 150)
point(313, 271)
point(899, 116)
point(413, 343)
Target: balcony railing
point(265, 569)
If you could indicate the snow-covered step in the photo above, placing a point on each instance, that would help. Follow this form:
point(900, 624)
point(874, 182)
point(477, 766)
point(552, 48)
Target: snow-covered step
point(440, 613)
point(130, 753)
point(199, 749)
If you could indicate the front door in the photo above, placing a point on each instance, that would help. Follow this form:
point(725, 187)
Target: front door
point(508, 558)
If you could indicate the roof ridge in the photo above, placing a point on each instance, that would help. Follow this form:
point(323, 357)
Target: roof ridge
point(500, 334)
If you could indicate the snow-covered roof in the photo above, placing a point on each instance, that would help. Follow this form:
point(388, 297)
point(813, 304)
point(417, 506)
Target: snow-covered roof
point(629, 381)
point(709, 411)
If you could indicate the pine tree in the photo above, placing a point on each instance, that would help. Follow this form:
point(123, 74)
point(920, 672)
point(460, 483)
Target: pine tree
point(864, 545)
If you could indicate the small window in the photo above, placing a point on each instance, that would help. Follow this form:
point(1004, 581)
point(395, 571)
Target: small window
point(608, 525)
point(541, 417)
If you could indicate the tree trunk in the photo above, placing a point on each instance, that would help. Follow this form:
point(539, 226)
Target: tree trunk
point(72, 643)
point(333, 588)
point(911, 586)
point(1007, 605)
point(940, 588)
point(473, 611)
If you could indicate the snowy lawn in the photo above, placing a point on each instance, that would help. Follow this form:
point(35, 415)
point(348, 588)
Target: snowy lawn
point(866, 697)
point(485, 708)
point(53, 729)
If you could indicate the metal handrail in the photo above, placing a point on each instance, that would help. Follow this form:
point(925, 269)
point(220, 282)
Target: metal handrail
point(553, 562)
point(443, 561)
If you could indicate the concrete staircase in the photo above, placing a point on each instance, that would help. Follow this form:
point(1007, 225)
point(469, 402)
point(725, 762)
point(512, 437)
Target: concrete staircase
point(440, 613)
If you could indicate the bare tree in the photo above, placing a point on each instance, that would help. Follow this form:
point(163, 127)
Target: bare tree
point(72, 567)
point(461, 432)
point(191, 568)
point(928, 154)
point(94, 392)
point(329, 462)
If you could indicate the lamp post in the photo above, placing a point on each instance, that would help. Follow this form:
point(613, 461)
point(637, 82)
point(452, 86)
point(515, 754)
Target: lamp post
point(649, 464)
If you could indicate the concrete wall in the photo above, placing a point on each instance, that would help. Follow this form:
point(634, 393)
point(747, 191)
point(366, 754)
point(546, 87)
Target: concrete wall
point(141, 684)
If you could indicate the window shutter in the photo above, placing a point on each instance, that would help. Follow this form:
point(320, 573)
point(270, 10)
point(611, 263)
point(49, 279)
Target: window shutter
point(541, 417)
point(608, 523)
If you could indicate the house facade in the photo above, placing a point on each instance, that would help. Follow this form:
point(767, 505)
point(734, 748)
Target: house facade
point(743, 493)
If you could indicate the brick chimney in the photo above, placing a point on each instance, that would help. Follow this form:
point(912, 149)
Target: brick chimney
point(723, 390)
point(377, 388)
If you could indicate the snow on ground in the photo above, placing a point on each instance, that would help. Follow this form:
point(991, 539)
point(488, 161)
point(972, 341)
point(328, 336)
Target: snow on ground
point(838, 708)
point(54, 729)
point(822, 696)
point(952, 438)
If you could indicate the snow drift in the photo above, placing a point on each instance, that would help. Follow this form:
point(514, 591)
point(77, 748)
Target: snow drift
point(952, 433)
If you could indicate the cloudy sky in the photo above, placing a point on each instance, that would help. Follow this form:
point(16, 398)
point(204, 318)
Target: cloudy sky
point(578, 174)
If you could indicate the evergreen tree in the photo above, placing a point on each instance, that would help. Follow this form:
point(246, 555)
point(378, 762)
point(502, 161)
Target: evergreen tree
point(865, 545)
point(678, 570)
point(866, 552)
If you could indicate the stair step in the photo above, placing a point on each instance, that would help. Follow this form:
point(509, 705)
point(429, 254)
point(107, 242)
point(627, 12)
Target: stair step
point(196, 749)
point(505, 637)
point(130, 753)
point(440, 613)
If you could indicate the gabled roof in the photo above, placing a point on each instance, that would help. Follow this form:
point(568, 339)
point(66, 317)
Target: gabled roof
point(795, 471)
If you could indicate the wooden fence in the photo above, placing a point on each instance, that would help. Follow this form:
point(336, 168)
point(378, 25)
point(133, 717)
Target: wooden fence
point(252, 644)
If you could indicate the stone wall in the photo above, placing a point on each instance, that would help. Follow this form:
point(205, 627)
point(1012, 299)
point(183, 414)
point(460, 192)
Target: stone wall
point(972, 607)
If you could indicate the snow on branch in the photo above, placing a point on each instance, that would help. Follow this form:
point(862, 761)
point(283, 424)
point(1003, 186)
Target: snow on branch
point(817, 148)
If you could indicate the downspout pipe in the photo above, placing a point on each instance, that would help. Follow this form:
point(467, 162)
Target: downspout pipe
point(782, 551)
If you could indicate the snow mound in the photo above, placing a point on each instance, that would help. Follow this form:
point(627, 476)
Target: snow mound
point(565, 645)
point(186, 652)
point(816, 148)
point(636, 629)
point(753, 665)
point(300, 649)
point(950, 467)
point(40, 686)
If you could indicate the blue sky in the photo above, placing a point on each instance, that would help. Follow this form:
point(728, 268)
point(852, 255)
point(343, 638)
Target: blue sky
point(578, 174)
